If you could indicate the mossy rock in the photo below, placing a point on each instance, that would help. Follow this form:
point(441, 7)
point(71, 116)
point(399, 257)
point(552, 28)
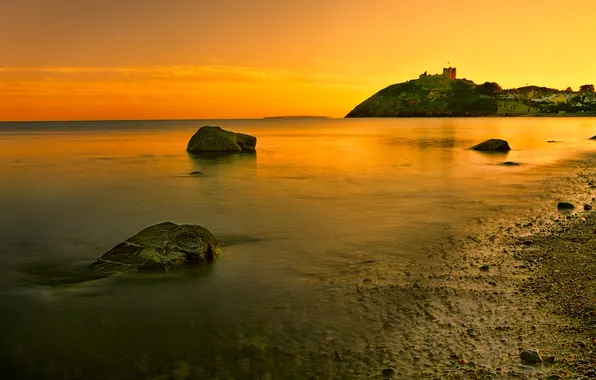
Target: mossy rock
point(216, 139)
point(161, 246)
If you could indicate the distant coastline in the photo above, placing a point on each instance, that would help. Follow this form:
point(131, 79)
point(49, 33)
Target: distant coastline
point(444, 95)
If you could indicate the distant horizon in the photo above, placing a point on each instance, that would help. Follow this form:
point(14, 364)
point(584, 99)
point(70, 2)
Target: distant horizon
point(173, 119)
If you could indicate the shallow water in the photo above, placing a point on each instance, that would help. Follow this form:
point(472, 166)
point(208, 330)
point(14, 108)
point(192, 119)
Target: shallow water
point(323, 206)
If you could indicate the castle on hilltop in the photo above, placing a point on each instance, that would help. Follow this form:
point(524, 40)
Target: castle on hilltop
point(448, 72)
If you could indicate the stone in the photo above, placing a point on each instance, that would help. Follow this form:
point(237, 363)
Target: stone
point(216, 139)
point(531, 356)
point(484, 268)
point(549, 359)
point(554, 377)
point(161, 246)
point(587, 207)
point(492, 145)
point(565, 206)
point(388, 372)
point(593, 138)
point(551, 141)
point(510, 163)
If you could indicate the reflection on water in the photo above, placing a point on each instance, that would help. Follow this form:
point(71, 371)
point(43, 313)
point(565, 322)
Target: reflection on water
point(222, 163)
point(324, 205)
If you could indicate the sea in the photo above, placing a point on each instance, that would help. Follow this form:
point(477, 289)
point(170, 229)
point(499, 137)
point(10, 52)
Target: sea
point(324, 206)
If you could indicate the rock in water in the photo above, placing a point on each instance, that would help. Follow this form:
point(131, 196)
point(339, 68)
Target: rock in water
point(531, 356)
point(161, 246)
point(510, 163)
point(593, 138)
point(492, 145)
point(565, 206)
point(587, 207)
point(216, 139)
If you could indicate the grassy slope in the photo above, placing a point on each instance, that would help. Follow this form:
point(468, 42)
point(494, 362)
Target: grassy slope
point(431, 96)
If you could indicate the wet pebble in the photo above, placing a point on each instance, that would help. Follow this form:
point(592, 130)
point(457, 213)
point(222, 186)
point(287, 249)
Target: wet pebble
point(484, 268)
point(388, 372)
point(554, 377)
point(531, 356)
point(587, 207)
point(565, 206)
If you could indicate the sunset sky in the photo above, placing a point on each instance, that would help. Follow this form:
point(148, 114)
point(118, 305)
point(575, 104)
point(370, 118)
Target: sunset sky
point(157, 59)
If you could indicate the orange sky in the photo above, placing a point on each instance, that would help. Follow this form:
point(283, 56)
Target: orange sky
point(155, 59)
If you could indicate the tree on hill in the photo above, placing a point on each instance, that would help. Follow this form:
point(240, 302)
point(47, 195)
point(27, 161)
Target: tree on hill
point(568, 89)
point(587, 88)
point(489, 88)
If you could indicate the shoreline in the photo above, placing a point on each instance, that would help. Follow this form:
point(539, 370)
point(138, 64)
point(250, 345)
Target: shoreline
point(480, 300)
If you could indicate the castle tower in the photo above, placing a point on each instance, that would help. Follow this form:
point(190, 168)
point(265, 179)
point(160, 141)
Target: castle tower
point(450, 72)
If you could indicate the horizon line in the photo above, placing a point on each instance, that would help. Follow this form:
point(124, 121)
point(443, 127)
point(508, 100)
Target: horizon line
point(175, 119)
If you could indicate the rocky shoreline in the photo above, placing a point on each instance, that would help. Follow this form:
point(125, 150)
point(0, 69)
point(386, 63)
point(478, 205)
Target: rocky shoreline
point(516, 301)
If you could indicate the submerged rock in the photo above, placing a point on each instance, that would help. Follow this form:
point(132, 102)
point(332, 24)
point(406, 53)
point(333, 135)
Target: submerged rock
point(565, 206)
point(510, 163)
point(492, 145)
point(593, 138)
point(216, 139)
point(161, 246)
point(531, 356)
point(587, 207)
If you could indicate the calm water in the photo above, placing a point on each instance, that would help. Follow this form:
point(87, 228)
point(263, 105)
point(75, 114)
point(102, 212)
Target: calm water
point(322, 206)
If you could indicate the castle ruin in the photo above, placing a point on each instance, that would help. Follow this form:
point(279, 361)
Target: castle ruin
point(448, 72)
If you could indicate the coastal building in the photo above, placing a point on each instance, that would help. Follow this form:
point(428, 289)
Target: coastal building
point(554, 98)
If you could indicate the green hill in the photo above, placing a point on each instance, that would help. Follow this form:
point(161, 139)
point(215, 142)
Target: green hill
point(433, 96)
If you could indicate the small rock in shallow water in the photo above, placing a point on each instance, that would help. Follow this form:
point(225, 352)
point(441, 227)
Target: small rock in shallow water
point(492, 145)
point(484, 268)
point(196, 173)
point(388, 372)
point(587, 207)
point(565, 206)
point(510, 163)
point(528, 242)
point(531, 356)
